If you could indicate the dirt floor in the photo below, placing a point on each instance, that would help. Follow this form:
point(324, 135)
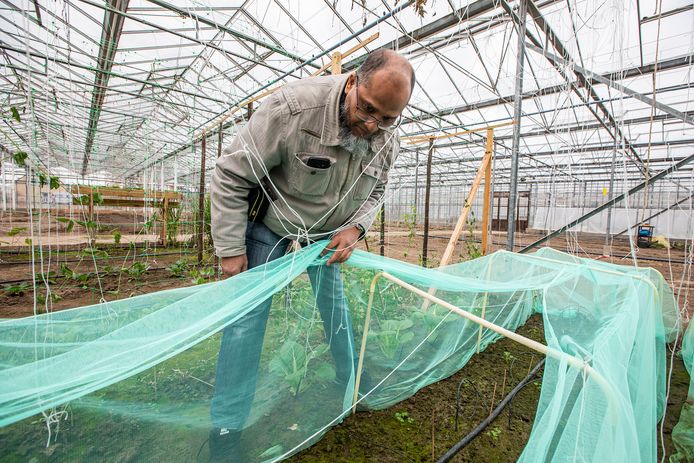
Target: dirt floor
point(419, 429)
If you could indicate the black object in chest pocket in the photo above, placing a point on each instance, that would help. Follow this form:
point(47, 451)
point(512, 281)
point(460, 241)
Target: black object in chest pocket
point(318, 162)
point(310, 173)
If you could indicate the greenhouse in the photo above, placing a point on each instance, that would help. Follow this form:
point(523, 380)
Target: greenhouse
point(346, 231)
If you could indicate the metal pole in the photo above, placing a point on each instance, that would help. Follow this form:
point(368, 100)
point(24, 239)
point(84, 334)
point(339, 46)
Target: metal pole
point(427, 193)
point(416, 186)
point(610, 193)
point(201, 200)
point(219, 153)
point(383, 228)
point(518, 100)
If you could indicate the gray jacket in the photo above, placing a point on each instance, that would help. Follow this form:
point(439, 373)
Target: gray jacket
point(299, 121)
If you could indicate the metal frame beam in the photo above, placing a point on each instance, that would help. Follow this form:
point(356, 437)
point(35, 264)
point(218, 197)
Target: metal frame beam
point(110, 36)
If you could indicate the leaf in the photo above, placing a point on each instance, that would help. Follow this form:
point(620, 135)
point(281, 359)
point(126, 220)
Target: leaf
point(16, 231)
point(20, 158)
point(15, 114)
point(70, 223)
point(43, 178)
point(28, 241)
point(54, 183)
point(324, 371)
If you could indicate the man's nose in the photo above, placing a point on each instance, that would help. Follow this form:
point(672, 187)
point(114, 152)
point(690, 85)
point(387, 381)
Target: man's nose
point(371, 126)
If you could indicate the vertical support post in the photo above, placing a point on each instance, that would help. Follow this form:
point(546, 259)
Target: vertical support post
point(416, 186)
point(175, 185)
point(201, 199)
point(161, 175)
point(4, 187)
point(220, 139)
point(427, 193)
point(383, 229)
point(608, 229)
point(489, 152)
point(513, 187)
point(336, 67)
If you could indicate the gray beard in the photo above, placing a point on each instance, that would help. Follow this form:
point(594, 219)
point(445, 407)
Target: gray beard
point(353, 144)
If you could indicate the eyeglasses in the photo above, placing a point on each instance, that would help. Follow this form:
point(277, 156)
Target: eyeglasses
point(364, 116)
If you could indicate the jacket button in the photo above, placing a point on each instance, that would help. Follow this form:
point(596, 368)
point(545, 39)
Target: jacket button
point(313, 172)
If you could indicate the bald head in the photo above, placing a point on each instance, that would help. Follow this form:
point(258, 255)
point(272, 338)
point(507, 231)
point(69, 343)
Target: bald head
point(390, 65)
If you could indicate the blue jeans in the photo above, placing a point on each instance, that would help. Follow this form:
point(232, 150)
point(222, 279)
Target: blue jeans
point(242, 341)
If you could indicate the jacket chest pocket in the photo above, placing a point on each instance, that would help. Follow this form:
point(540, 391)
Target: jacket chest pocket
point(310, 174)
point(371, 174)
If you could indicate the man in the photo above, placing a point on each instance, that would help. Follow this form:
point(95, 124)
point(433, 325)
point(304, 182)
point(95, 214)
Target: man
point(320, 149)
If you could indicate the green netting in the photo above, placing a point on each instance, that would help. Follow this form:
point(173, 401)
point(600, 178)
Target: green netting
point(683, 432)
point(138, 375)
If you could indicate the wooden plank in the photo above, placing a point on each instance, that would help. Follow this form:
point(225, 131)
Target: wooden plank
point(336, 65)
point(135, 193)
point(421, 138)
point(487, 191)
point(119, 202)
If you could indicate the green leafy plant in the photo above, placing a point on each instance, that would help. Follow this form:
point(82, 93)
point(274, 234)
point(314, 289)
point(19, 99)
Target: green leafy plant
point(20, 158)
point(15, 114)
point(201, 275)
point(178, 268)
point(116, 236)
point(54, 182)
point(173, 221)
point(16, 231)
point(137, 269)
point(42, 178)
point(292, 361)
point(93, 252)
point(404, 418)
point(70, 224)
point(508, 357)
point(391, 335)
point(16, 289)
point(410, 221)
point(494, 433)
point(473, 249)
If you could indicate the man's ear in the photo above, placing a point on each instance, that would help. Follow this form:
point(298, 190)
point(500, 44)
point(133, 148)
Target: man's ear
point(350, 82)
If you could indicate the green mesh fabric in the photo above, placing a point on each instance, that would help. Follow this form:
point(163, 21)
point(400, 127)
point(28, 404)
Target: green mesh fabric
point(683, 432)
point(132, 380)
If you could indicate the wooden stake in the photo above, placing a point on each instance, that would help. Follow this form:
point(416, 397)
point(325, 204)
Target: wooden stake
point(487, 191)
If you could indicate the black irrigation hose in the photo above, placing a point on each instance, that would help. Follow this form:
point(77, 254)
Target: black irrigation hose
point(89, 258)
point(497, 411)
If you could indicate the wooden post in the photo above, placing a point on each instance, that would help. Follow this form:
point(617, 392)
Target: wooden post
point(383, 228)
point(201, 200)
point(461, 220)
point(427, 193)
point(487, 191)
point(336, 66)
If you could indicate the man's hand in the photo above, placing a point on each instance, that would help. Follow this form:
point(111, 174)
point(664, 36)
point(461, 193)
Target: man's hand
point(234, 265)
point(343, 243)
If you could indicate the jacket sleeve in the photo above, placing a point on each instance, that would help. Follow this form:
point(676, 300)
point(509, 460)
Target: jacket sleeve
point(368, 211)
point(256, 149)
